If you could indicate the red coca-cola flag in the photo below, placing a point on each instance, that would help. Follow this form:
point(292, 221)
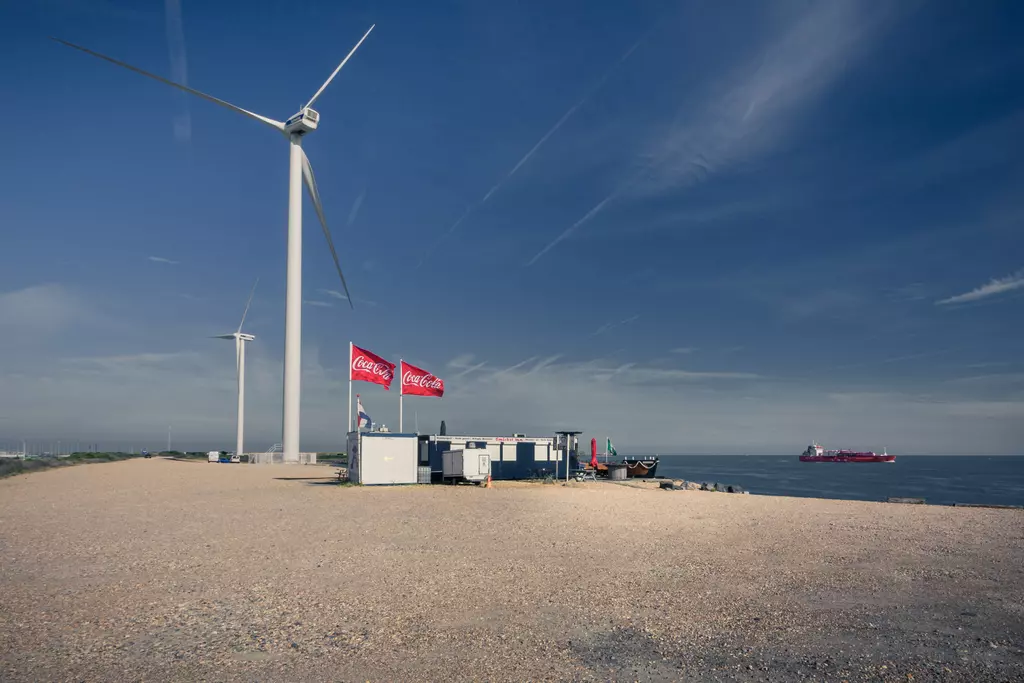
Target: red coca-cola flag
point(369, 367)
point(417, 382)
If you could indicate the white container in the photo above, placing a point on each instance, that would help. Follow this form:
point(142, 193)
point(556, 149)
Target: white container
point(382, 458)
point(213, 456)
point(469, 464)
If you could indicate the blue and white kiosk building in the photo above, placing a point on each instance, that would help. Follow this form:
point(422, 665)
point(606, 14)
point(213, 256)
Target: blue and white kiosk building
point(512, 457)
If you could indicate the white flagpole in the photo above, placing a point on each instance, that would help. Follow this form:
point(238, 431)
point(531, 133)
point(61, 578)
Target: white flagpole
point(568, 445)
point(349, 387)
point(401, 429)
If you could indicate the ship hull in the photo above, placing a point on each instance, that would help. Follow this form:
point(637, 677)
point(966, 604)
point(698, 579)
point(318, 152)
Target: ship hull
point(641, 467)
point(847, 458)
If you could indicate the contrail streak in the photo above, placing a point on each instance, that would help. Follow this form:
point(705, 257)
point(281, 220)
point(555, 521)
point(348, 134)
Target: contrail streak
point(540, 143)
point(179, 66)
point(355, 207)
point(515, 367)
point(572, 228)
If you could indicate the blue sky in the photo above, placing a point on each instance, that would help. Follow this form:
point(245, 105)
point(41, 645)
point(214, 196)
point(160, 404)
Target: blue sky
point(693, 226)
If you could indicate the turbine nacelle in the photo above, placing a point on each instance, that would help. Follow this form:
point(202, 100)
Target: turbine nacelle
point(240, 336)
point(303, 122)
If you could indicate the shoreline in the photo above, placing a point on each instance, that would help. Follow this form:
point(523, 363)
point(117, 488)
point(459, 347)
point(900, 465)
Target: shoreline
point(890, 501)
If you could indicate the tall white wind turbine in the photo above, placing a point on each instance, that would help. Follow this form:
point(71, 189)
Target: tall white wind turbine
point(294, 128)
point(240, 340)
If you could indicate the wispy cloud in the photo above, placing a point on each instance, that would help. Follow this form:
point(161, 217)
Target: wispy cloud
point(179, 67)
point(340, 296)
point(755, 111)
point(691, 411)
point(334, 293)
point(465, 364)
point(132, 360)
point(634, 374)
point(987, 410)
point(992, 288)
point(318, 304)
point(355, 208)
point(41, 308)
point(161, 259)
point(461, 361)
point(543, 363)
point(602, 370)
point(540, 143)
point(991, 379)
point(834, 302)
point(612, 325)
point(894, 359)
point(513, 368)
point(684, 349)
point(968, 154)
point(915, 291)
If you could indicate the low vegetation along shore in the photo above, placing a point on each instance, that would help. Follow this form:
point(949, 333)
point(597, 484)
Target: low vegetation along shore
point(165, 570)
point(12, 466)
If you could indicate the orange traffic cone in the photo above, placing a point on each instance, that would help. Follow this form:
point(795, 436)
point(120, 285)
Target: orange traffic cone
point(488, 482)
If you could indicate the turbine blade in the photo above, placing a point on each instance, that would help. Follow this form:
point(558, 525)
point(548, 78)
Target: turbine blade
point(314, 194)
point(263, 119)
point(247, 303)
point(328, 81)
point(222, 336)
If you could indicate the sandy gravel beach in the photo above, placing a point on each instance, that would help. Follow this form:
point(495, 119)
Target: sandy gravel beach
point(164, 570)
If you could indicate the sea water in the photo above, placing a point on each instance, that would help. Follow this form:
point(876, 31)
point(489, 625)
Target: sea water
point(939, 479)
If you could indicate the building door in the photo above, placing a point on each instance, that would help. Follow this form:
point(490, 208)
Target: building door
point(525, 463)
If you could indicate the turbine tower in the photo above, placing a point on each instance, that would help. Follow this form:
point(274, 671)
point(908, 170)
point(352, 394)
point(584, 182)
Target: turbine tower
point(240, 340)
point(294, 128)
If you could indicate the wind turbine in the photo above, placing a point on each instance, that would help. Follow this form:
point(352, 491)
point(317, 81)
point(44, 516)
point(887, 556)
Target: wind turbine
point(299, 170)
point(240, 339)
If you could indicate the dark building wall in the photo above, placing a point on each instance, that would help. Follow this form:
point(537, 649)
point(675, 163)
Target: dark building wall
point(517, 460)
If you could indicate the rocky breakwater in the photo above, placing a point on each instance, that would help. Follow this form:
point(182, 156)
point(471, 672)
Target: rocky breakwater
point(683, 485)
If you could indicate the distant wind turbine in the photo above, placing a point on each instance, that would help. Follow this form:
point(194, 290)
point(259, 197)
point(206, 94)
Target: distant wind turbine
point(294, 128)
point(240, 339)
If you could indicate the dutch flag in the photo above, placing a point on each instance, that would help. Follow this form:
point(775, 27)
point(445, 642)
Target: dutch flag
point(362, 419)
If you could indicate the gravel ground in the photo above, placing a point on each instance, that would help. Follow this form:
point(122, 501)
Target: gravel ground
point(162, 570)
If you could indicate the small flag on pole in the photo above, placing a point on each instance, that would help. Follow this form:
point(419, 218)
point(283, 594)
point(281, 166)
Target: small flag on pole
point(362, 419)
point(610, 449)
